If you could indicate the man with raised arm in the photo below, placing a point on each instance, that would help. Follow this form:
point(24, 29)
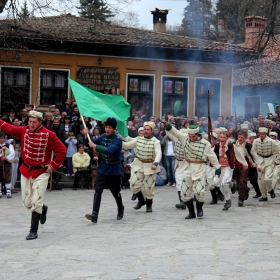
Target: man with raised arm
point(196, 152)
point(37, 145)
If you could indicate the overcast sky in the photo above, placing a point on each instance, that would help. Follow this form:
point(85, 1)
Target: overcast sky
point(144, 7)
point(140, 7)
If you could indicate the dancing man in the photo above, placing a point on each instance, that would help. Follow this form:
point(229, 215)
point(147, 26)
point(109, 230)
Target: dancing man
point(196, 152)
point(145, 167)
point(37, 145)
point(264, 151)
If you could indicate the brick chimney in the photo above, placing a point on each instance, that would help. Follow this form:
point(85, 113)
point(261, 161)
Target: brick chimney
point(254, 28)
point(159, 19)
point(222, 28)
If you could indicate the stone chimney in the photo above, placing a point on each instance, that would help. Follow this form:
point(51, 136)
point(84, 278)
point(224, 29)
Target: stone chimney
point(159, 19)
point(254, 28)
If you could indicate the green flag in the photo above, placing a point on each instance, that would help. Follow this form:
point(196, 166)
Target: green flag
point(100, 106)
point(176, 108)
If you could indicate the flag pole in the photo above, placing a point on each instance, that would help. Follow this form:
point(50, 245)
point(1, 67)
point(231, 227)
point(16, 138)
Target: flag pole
point(85, 127)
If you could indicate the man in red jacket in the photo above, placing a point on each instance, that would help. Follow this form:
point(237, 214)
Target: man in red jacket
point(37, 145)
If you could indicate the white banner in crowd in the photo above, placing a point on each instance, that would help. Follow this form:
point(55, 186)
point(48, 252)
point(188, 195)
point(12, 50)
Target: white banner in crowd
point(271, 107)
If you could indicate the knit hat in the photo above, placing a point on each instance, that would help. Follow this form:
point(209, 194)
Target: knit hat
point(150, 124)
point(140, 128)
point(111, 122)
point(193, 129)
point(36, 114)
point(263, 129)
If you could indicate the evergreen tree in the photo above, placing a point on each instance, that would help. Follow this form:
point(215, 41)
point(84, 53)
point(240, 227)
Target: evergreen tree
point(24, 13)
point(95, 9)
point(233, 13)
point(197, 18)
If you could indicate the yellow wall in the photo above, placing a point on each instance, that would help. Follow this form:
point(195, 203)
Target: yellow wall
point(124, 66)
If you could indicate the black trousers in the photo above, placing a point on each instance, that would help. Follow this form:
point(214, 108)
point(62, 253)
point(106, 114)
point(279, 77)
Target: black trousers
point(79, 175)
point(111, 182)
point(253, 177)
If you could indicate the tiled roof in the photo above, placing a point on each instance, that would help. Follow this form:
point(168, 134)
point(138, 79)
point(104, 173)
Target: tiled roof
point(265, 70)
point(259, 73)
point(76, 29)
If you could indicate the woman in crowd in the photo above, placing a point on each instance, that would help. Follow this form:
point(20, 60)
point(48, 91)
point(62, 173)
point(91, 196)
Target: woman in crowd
point(14, 169)
point(67, 126)
point(81, 161)
point(47, 122)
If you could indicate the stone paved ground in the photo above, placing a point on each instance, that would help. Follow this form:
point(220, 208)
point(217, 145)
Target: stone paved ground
point(242, 243)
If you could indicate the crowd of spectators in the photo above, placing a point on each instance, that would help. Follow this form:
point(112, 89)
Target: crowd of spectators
point(68, 126)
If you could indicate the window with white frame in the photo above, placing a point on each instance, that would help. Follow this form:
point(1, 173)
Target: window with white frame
point(53, 86)
point(15, 88)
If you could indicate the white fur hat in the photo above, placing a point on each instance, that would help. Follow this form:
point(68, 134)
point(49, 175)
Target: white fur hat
point(184, 130)
point(252, 134)
point(263, 129)
point(244, 126)
point(274, 133)
point(150, 124)
point(36, 114)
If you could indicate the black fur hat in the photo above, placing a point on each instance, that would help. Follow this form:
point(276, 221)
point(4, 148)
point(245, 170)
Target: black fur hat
point(111, 122)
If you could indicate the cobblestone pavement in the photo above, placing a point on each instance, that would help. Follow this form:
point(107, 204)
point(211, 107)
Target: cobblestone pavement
point(241, 243)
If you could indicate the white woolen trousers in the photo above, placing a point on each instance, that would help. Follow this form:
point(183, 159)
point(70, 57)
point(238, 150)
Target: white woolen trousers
point(223, 181)
point(33, 191)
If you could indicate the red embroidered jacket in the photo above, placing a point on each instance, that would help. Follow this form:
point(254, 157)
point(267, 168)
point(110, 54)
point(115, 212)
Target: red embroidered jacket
point(36, 148)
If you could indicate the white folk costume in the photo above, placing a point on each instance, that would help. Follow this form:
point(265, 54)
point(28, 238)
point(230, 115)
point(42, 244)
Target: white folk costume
point(193, 168)
point(276, 169)
point(6, 150)
point(147, 153)
point(179, 159)
point(265, 152)
point(36, 153)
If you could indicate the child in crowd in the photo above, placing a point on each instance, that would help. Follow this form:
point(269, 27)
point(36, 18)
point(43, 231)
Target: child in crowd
point(71, 142)
point(94, 162)
point(96, 132)
point(127, 159)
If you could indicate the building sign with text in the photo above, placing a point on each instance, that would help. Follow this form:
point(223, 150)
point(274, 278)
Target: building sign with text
point(104, 80)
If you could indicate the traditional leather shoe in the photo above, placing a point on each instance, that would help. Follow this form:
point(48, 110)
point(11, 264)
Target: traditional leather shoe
point(141, 201)
point(43, 216)
point(263, 199)
point(31, 235)
point(181, 205)
point(92, 217)
point(120, 206)
point(247, 193)
point(214, 196)
point(227, 205)
point(272, 193)
point(191, 216)
point(240, 202)
point(149, 203)
point(257, 195)
point(133, 197)
point(199, 210)
point(120, 213)
point(190, 206)
point(233, 189)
